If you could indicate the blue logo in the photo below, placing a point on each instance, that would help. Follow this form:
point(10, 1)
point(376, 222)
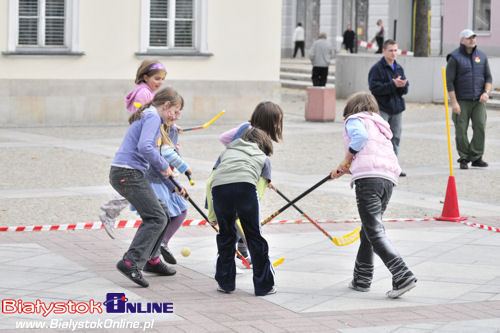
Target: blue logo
point(118, 303)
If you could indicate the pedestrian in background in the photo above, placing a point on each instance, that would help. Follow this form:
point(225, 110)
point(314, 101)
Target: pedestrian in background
point(321, 54)
point(299, 40)
point(388, 83)
point(468, 78)
point(348, 39)
point(379, 36)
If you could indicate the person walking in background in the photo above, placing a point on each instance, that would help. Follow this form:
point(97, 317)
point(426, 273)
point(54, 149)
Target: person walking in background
point(348, 40)
point(379, 36)
point(468, 78)
point(321, 54)
point(388, 83)
point(298, 39)
point(370, 159)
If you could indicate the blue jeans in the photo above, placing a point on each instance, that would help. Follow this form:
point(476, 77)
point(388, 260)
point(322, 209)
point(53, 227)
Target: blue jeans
point(396, 123)
point(133, 186)
point(230, 201)
point(372, 196)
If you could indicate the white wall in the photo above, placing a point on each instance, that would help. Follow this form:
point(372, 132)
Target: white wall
point(244, 37)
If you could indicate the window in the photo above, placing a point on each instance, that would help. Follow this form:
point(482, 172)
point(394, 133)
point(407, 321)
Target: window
point(173, 27)
point(43, 26)
point(481, 18)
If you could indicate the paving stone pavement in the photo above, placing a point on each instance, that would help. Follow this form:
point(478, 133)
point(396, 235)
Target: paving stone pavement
point(59, 175)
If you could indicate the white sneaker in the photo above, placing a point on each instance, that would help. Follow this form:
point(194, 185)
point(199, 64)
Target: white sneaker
point(395, 293)
point(108, 223)
point(239, 270)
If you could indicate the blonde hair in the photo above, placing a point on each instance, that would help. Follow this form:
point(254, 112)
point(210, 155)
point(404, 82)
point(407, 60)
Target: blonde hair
point(360, 102)
point(145, 69)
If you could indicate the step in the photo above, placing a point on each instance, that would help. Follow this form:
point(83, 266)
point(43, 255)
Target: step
point(302, 77)
point(493, 104)
point(303, 69)
point(300, 84)
point(495, 94)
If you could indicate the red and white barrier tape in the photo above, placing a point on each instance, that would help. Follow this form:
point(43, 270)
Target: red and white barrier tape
point(480, 226)
point(373, 46)
point(126, 224)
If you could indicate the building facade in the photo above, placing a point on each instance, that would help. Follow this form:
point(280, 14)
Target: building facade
point(73, 61)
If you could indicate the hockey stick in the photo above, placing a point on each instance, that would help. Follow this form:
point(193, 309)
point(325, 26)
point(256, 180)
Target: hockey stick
point(205, 125)
point(339, 241)
point(282, 209)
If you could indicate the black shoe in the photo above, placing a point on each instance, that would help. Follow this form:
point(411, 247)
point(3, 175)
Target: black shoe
point(167, 255)
point(463, 164)
point(402, 174)
point(160, 268)
point(132, 273)
point(479, 163)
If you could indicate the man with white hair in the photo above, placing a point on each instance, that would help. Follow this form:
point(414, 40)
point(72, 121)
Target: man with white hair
point(321, 54)
point(468, 78)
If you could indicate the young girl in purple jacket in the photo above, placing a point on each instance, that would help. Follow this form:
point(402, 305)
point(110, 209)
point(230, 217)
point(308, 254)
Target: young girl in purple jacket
point(374, 166)
point(137, 153)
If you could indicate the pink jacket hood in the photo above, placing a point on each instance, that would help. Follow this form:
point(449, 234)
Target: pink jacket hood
point(141, 94)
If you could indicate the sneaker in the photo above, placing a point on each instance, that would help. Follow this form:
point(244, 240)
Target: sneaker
point(479, 163)
point(167, 255)
point(463, 164)
point(219, 289)
point(160, 268)
point(270, 292)
point(402, 174)
point(239, 270)
point(406, 286)
point(108, 223)
point(352, 285)
point(132, 273)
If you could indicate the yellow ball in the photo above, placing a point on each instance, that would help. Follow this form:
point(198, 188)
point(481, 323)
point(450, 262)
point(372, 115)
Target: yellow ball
point(185, 251)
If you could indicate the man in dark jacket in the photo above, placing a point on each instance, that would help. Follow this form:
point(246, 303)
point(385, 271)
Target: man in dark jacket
point(468, 78)
point(388, 84)
point(348, 39)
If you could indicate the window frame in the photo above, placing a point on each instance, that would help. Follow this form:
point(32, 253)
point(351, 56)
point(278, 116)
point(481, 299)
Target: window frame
point(199, 47)
point(472, 18)
point(71, 33)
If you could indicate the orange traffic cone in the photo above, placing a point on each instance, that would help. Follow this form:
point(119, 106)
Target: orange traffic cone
point(450, 209)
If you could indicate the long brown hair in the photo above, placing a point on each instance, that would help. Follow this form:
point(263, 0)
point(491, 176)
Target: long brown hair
point(268, 116)
point(259, 137)
point(145, 69)
point(360, 102)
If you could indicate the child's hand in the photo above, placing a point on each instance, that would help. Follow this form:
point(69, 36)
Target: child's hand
point(336, 173)
point(271, 186)
point(178, 146)
point(179, 129)
point(167, 173)
point(212, 223)
point(182, 192)
point(189, 172)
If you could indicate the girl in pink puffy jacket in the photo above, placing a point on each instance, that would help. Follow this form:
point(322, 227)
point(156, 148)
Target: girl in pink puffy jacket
point(370, 159)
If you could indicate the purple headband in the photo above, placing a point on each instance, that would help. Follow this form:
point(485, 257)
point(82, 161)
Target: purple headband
point(157, 66)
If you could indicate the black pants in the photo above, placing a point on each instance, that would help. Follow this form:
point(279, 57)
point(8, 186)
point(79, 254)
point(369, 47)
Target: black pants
point(349, 47)
point(372, 196)
point(380, 44)
point(240, 199)
point(319, 76)
point(299, 45)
